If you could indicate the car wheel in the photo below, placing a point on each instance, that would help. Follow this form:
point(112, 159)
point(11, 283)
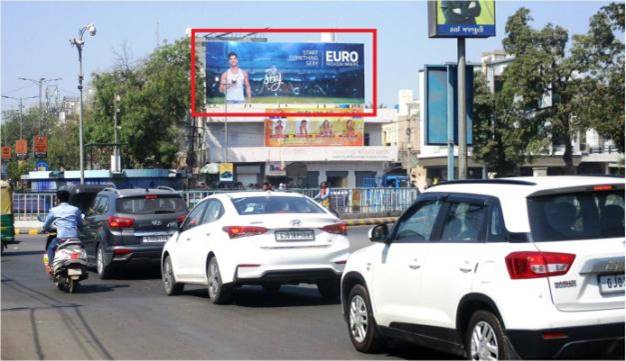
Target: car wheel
point(103, 268)
point(172, 288)
point(485, 338)
point(219, 293)
point(271, 287)
point(364, 332)
point(329, 289)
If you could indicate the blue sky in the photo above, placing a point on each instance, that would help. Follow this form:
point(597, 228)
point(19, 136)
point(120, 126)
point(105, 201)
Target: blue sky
point(35, 35)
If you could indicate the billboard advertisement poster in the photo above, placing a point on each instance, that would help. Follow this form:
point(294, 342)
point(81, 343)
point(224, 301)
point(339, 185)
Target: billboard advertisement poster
point(284, 73)
point(276, 169)
point(314, 132)
point(21, 148)
point(437, 78)
point(471, 19)
point(40, 145)
point(226, 172)
point(6, 152)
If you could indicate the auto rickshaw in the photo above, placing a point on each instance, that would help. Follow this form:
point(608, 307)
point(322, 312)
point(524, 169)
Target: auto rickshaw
point(7, 232)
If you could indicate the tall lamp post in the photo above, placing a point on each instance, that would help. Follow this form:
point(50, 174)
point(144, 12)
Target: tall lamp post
point(78, 42)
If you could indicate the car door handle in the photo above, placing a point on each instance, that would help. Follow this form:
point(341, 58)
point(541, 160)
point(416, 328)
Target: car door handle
point(414, 266)
point(208, 233)
point(466, 267)
point(188, 238)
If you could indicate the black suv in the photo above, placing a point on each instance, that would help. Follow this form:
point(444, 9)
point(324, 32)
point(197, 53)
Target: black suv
point(129, 224)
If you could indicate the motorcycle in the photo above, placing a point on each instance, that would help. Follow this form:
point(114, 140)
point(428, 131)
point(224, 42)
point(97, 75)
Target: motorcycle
point(69, 266)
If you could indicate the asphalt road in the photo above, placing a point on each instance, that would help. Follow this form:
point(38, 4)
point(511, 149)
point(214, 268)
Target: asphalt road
point(131, 318)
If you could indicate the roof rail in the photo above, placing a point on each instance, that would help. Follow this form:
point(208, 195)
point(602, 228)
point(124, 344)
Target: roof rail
point(166, 188)
point(518, 182)
point(110, 189)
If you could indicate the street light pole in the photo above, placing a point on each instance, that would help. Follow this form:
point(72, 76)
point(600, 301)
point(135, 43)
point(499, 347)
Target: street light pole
point(78, 43)
point(462, 114)
point(40, 82)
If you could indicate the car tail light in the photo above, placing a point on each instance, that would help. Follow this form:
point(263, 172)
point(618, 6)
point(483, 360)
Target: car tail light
point(121, 251)
point(151, 196)
point(249, 265)
point(523, 265)
point(180, 219)
point(337, 228)
point(341, 262)
point(121, 222)
point(605, 187)
point(243, 231)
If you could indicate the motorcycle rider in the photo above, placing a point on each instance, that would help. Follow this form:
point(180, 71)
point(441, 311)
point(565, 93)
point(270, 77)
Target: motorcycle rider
point(67, 219)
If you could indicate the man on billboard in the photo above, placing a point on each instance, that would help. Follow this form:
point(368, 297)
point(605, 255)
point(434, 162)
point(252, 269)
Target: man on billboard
point(460, 12)
point(233, 81)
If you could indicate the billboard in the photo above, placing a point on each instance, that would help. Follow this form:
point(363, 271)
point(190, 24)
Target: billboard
point(40, 145)
point(314, 132)
point(6, 152)
point(21, 148)
point(470, 19)
point(437, 78)
point(284, 73)
point(226, 172)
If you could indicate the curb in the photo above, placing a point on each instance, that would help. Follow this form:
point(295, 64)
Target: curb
point(29, 231)
point(369, 221)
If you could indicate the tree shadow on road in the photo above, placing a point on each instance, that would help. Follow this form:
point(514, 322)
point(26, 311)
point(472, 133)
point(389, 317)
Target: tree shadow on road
point(257, 297)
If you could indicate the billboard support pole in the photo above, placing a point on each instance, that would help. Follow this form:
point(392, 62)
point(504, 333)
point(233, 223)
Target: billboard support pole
point(450, 126)
point(461, 102)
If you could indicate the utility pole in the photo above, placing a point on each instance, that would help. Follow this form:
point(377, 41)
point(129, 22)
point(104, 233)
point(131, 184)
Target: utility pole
point(78, 43)
point(21, 106)
point(462, 114)
point(40, 82)
point(116, 150)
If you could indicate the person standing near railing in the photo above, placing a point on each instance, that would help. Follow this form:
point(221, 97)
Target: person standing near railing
point(324, 195)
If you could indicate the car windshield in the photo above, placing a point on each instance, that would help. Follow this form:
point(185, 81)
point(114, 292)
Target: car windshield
point(575, 216)
point(150, 204)
point(275, 204)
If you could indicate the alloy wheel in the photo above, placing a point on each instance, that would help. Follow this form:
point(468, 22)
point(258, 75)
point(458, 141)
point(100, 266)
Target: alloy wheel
point(358, 319)
point(484, 342)
point(214, 279)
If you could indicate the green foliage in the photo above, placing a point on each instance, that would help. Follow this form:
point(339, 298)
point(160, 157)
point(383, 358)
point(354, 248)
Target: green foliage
point(153, 107)
point(550, 93)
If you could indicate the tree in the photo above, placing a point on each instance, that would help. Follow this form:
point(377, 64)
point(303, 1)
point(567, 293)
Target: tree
point(599, 55)
point(544, 80)
point(154, 105)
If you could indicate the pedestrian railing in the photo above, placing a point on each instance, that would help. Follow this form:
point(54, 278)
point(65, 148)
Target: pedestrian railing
point(348, 202)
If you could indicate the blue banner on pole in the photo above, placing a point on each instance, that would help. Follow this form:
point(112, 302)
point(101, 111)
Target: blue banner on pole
point(436, 78)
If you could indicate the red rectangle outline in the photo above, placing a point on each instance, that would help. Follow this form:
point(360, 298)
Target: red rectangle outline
point(192, 82)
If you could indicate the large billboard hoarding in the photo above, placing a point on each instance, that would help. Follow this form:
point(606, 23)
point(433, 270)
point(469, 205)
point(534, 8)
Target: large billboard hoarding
point(284, 73)
point(437, 78)
point(313, 132)
point(461, 19)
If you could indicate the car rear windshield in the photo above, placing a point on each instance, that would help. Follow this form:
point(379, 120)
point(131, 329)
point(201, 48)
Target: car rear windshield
point(150, 204)
point(275, 204)
point(575, 216)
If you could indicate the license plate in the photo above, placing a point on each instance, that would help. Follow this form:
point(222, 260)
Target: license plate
point(154, 239)
point(74, 272)
point(611, 283)
point(282, 236)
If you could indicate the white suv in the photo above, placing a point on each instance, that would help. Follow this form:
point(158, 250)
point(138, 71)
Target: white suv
point(496, 269)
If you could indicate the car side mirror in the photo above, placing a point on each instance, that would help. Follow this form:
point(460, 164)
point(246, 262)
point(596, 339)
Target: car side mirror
point(379, 233)
point(174, 227)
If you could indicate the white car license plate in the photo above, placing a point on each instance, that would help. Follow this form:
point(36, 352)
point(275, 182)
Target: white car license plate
point(74, 272)
point(612, 283)
point(282, 236)
point(154, 239)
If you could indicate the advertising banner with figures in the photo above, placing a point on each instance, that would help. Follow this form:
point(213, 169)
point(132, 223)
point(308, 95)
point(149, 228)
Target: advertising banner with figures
point(313, 132)
point(284, 73)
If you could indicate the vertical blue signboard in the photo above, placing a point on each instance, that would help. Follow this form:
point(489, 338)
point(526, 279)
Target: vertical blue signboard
point(436, 78)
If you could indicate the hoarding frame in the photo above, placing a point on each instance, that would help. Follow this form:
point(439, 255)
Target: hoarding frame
point(469, 98)
point(432, 12)
point(277, 113)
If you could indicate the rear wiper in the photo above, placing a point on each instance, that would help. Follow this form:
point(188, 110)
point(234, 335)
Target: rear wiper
point(163, 211)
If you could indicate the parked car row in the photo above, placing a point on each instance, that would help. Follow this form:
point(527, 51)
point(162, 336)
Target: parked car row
point(493, 269)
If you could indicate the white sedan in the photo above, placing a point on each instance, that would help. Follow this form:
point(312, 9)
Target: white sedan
point(257, 238)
